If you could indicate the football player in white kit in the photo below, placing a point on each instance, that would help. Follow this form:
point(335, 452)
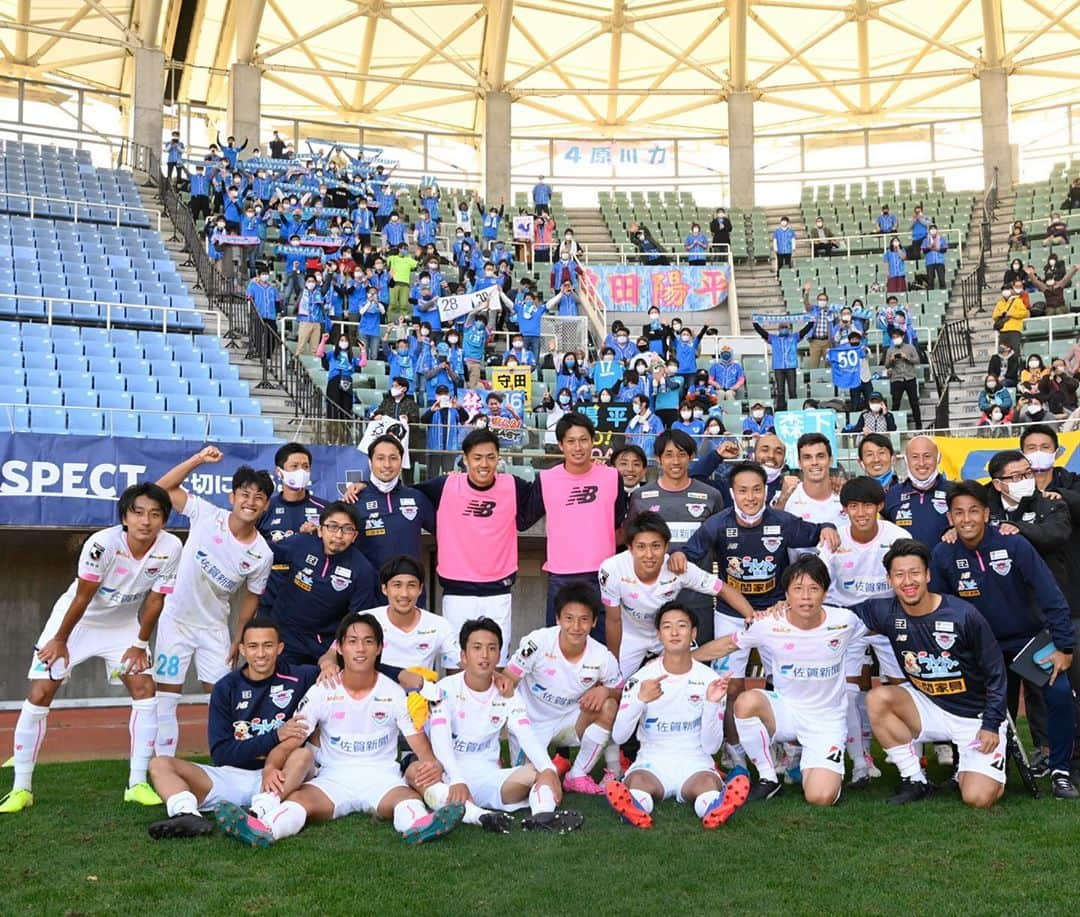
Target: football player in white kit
point(122, 569)
point(857, 574)
point(224, 553)
point(807, 643)
point(813, 498)
point(467, 723)
point(636, 582)
point(676, 707)
point(570, 685)
point(358, 721)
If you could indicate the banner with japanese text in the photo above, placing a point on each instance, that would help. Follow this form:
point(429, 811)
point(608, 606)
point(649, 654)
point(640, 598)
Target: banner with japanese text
point(610, 421)
point(620, 158)
point(511, 378)
point(679, 288)
point(790, 425)
point(73, 481)
point(966, 457)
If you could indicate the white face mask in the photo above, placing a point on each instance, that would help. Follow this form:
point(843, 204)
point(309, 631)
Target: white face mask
point(1018, 490)
point(343, 345)
point(877, 408)
point(996, 416)
point(771, 474)
point(922, 484)
point(1033, 364)
point(743, 517)
point(396, 391)
point(384, 487)
point(757, 415)
point(297, 479)
point(686, 415)
point(896, 342)
point(1034, 408)
point(1040, 461)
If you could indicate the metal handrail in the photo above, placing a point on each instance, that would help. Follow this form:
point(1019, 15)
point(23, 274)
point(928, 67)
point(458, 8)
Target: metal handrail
point(110, 306)
point(76, 204)
point(882, 238)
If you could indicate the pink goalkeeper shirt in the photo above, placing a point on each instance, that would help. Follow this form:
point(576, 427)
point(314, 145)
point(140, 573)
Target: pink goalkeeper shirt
point(580, 510)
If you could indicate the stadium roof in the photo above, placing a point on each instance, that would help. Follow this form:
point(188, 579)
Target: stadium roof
point(574, 68)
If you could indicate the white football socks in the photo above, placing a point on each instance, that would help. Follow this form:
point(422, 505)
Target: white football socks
point(436, 795)
point(906, 761)
point(288, 819)
point(643, 799)
point(856, 748)
point(406, 814)
point(756, 741)
point(541, 799)
point(29, 734)
point(593, 739)
point(142, 727)
point(182, 803)
point(168, 728)
point(704, 801)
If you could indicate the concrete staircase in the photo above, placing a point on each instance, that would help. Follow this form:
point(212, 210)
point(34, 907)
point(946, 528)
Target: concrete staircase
point(273, 401)
point(591, 231)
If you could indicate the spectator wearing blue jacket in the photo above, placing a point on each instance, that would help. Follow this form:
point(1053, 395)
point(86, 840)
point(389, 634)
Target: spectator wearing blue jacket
point(696, 245)
point(727, 374)
point(502, 254)
point(895, 257)
point(401, 363)
point(607, 372)
point(443, 420)
point(370, 315)
point(783, 244)
point(263, 297)
point(693, 426)
point(490, 221)
point(519, 352)
point(425, 303)
point(886, 222)
point(199, 188)
point(541, 196)
point(394, 231)
point(424, 229)
point(785, 358)
point(385, 202)
point(920, 226)
point(340, 364)
point(446, 367)
point(231, 151)
point(475, 337)
point(565, 302)
point(644, 426)
point(759, 421)
point(312, 321)
point(174, 158)
point(528, 312)
point(570, 375)
point(687, 348)
point(934, 246)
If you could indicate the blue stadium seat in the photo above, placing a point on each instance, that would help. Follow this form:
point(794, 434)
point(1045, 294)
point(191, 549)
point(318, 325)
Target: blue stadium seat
point(114, 400)
point(80, 398)
point(122, 423)
point(156, 425)
point(260, 429)
point(106, 382)
point(217, 406)
point(83, 422)
point(73, 380)
point(67, 348)
point(233, 388)
point(45, 396)
point(104, 365)
point(12, 394)
point(195, 370)
point(182, 404)
point(144, 401)
point(191, 426)
point(169, 386)
point(245, 407)
point(13, 359)
point(38, 360)
point(141, 383)
point(48, 420)
point(16, 418)
point(204, 388)
point(226, 429)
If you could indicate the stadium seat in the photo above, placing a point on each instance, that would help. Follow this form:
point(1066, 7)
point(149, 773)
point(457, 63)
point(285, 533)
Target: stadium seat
point(82, 422)
point(48, 420)
point(225, 428)
point(156, 425)
point(259, 429)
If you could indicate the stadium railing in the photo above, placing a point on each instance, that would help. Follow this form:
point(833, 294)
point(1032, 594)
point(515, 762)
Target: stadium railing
point(88, 209)
point(952, 347)
point(869, 243)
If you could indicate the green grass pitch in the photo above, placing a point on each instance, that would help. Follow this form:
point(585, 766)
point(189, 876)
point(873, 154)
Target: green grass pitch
point(79, 850)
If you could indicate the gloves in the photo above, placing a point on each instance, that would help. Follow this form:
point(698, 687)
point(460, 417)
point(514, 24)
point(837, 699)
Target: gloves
point(418, 701)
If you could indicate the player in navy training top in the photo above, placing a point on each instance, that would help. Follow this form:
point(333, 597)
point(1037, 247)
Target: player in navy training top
point(956, 687)
point(249, 713)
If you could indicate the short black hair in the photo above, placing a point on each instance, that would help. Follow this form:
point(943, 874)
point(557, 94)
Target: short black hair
point(1000, 459)
point(385, 438)
point(862, 489)
point(906, 547)
point(572, 419)
point(807, 565)
point(282, 455)
point(471, 627)
point(877, 439)
point(972, 489)
point(753, 467)
point(671, 606)
point(647, 521)
point(402, 564)
point(339, 506)
point(632, 448)
point(577, 592)
point(245, 475)
point(357, 617)
point(680, 439)
point(813, 439)
point(479, 437)
point(143, 489)
point(1044, 429)
point(259, 622)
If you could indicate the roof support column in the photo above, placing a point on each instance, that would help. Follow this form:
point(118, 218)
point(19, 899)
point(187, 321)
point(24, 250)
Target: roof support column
point(740, 108)
point(496, 147)
point(147, 116)
point(245, 77)
point(998, 153)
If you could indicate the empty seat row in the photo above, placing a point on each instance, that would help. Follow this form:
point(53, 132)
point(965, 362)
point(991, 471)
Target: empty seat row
point(154, 425)
point(130, 400)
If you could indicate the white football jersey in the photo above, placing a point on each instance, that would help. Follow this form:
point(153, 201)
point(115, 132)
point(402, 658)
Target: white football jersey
point(856, 569)
point(123, 582)
point(550, 683)
point(422, 646)
point(357, 733)
point(807, 665)
point(213, 567)
point(810, 510)
point(620, 587)
point(680, 721)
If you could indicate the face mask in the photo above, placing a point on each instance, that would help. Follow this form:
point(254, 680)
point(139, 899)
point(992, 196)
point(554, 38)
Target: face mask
point(877, 408)
point(564, 399)
point(570, 361)
point(743, 517)
point(384, 487)
point(639, 408)
point(654, 318)
point(686, 415)
point(883, 479)
point(990, 386)
point(783, 224)
point(424, 332)
point(698, 413)
point(713, 431)
point(518, 345)
point(310, 286)
point(921, 484)
point(396, 391)
point(673, 369)
point(343, 345)
point(1018, 490)
point(298, 479)
point(726, 357)
point(757, 415)
point(622, 340)
point(1034, 408)
point(1033, 364)
point(451, 341)
point(896, 342)
point(771, 474)
point(605, 398)
point(1040, 461)
point(996, 416)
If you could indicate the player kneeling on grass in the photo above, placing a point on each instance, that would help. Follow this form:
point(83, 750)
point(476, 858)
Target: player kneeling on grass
point(121, 569)
point(676, 705)
point(358, 723)
point(806, 644)
point(249, 716)
point(570, 686)
point(466, 725)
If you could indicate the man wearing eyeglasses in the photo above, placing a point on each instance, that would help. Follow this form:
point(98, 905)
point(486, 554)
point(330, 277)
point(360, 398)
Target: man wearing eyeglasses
point(327, 577)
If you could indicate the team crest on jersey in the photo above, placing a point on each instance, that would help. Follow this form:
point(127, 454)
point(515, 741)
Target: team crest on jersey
point(1000, 562)
point(695, 509)
point(940, 506)
point(694, 699)
point(409, 512)
point(380, 716)
point(96, 550)
point(339, 583)
point(834, 643)
point(245, 566)
point(772, 544)
point(280, 696)
point(945, 641)
point(152, 571)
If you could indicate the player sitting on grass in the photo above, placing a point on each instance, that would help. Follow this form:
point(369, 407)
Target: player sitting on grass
point(121, 569)
point(466, 723)
point(358, 723)
point(570, 685)
point(805, 644)
point(249, 715)
point(676, 705)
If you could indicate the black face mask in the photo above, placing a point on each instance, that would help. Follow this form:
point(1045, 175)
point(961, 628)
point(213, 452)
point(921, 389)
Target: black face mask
point(642, 347)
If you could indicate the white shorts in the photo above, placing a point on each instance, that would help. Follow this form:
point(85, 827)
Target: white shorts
point(108, 643)
point(673, 772)
point(941, 726)
point(485, 784)
point(858, 655)
point(176, 644)
point(724, 626)
point(457, 609)
point(822, 735)
point(230, 784)
point(357, 789)
point(633, 650)
point(556, 731)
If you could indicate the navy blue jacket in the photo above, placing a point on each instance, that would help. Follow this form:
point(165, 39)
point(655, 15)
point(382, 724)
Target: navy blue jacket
point(245, 715)
point(282, 519)
point(712, 469)
point(1009, 583)
point(922, 513)
point(390, 524)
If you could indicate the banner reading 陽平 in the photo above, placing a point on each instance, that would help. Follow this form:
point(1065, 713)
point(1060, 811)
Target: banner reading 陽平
point(678, 288)
point(73, 481)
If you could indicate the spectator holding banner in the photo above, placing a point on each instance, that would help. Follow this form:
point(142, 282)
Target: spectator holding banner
point(851, 369)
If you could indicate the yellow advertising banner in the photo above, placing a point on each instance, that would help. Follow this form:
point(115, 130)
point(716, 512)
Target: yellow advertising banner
point(966, 458)
point(512, 378)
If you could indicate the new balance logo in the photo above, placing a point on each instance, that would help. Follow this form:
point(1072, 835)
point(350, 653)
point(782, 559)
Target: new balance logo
point(585, 494)
point(482, 509)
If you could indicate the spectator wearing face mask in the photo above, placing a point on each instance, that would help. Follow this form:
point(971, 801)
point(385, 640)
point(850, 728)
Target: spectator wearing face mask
point(895, 259)
point(727, 374)
point(312, 319)
point(262, 295)
point(875, 419)
point(1057, 231)
point(606, 372)
point(621, 345)
point(920, 229)
point(902, 361)
point(565, 301)
point(570, 375)
point(1053, 288)
point(1018, 237)
point(720, 227)
point(687, 348)
point(697, 245)
point(555, 408)
point(402, 361)
point(442, 364)
point(340, 364)
point(444, 421)
point(783, 244)
point(702, 391)
point(935, 246)
point(658, 334)
point(1057, 389)
point(1034, 411)
point(886, 222)
point(822, 239)
point(688, 423)
point(994, 397)
point(759, 421)
point(1005, 366)
point(784, 347)
point(398, 403)
point(1015, 271)
point(521, 354)
point(821, 317)
point(1030, 376)
point(644, 426)
point(476, 337)
point(1009, 314)
point(850, 318)
point(667, 392)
